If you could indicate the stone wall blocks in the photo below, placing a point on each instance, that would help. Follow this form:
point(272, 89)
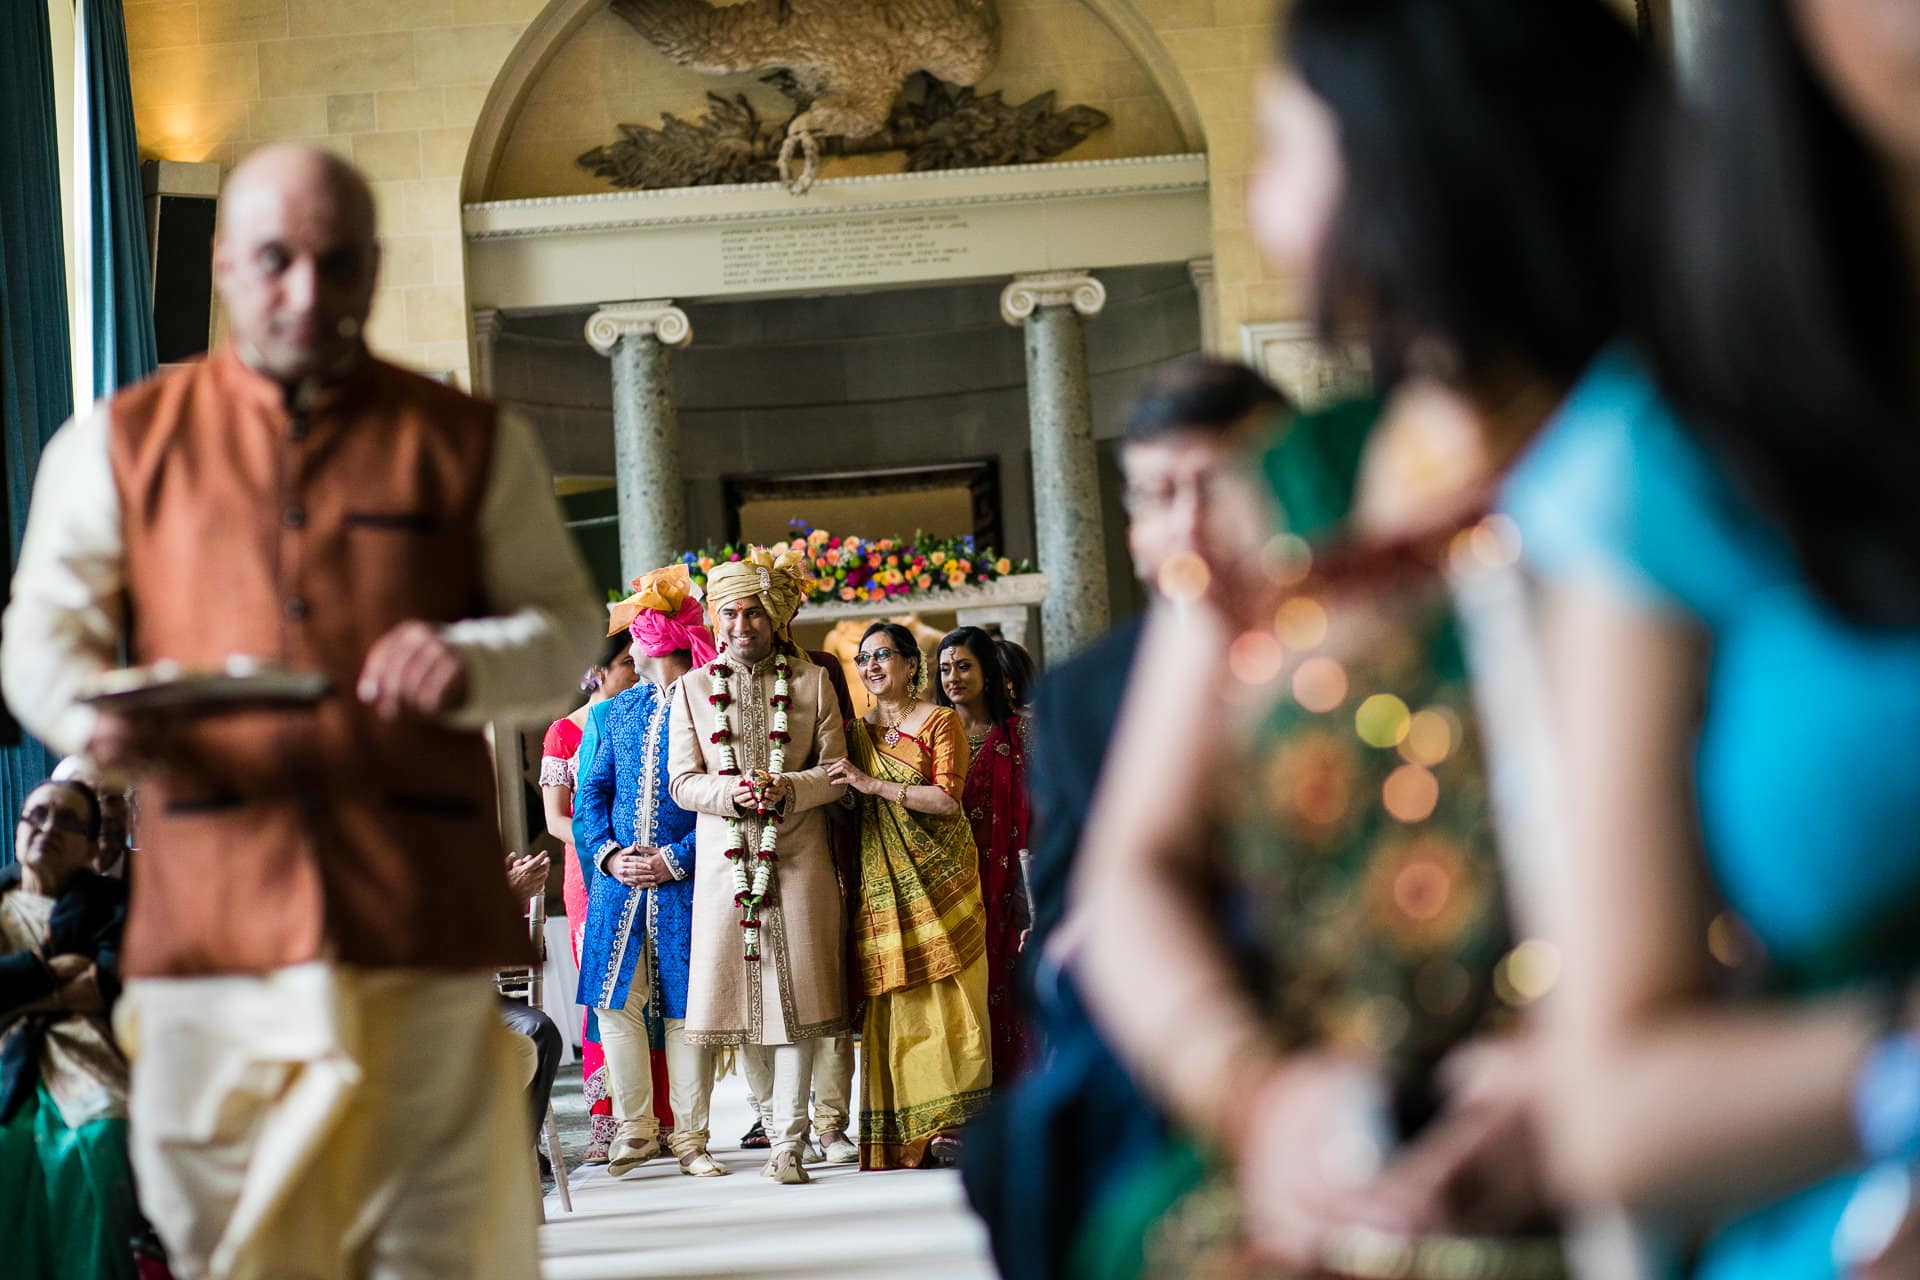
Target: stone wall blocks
point(278, 119)
point(387, 155)
point(238, 21)
point(196, 75)
point(337, 64)
point(162, 26)
point(353, 113)
point(410, 109)
point(462, 55)
point(406, 261)
point(443, 152)
point(357, 17)
point(436, 313)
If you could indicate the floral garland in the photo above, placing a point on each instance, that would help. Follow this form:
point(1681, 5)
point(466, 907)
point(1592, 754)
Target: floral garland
point(860, 571)
point(750, 889)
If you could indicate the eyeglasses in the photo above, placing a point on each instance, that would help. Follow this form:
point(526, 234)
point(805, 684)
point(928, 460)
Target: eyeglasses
point(66, 821)
point(876, 656)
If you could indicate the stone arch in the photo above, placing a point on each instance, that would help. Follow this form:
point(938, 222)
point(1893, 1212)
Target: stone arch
point(561, 19)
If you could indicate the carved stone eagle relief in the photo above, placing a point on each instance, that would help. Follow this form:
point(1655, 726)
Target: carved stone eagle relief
point(865, 76)
point(849, 58)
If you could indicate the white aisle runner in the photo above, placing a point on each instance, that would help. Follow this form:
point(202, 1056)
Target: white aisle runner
point(658, 1223)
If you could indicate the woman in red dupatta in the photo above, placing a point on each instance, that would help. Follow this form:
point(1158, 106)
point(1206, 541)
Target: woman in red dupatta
point(974, 684)
point(559, 770)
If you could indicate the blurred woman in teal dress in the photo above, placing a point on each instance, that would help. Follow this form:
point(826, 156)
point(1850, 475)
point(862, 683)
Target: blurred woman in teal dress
point(1731, 621)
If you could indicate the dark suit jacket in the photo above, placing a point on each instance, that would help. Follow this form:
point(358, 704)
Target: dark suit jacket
point(1055, 1137)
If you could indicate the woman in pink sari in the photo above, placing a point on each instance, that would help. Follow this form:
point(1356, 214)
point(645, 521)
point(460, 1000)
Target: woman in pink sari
point(613, 674)
point(974, 683)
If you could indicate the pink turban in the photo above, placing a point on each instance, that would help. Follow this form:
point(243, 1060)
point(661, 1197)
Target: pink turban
point(664, 615)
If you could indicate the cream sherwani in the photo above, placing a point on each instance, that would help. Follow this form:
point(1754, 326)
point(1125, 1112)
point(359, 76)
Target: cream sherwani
point(797, 991)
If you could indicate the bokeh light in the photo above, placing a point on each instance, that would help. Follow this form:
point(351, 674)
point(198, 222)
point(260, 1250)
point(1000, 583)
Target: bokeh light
point(1184, 577)
point(1320, 685)
point(1429, 738)
point(1527, 972)
point(1382, 721)
point(1410, 793)
point(1256, 658)
point(1286, 559)
point(1301, 623)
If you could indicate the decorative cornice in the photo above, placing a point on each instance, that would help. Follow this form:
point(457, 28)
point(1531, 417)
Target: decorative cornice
point(1027, 294)
point(857, 196)
point(1201, 272)
point(658, 319)
point(862, 180)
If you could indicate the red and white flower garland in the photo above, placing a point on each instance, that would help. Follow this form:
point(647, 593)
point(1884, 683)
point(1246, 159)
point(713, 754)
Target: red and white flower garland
point(750, 890)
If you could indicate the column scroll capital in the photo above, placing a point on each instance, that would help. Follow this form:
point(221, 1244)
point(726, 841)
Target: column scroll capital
point(488, 324)
point(1028, 293)
point(658, 319)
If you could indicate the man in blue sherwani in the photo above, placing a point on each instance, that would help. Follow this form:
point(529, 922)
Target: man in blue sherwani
point(638, 847)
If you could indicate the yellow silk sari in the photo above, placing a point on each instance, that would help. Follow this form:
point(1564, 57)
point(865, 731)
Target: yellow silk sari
point(921, 933)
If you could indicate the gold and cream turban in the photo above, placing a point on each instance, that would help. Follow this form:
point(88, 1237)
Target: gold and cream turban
point(777, 578)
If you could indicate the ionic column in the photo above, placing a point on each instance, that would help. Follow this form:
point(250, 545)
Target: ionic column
point(1052, 307)
point(1206, 287)
point(646, 428)
point(487, 325)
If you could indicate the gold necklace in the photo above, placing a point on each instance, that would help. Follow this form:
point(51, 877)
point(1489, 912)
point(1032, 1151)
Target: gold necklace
point(893, 727)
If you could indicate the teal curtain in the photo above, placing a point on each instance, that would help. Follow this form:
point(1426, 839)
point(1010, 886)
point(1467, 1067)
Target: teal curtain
point(123, 344)
point(36, 382)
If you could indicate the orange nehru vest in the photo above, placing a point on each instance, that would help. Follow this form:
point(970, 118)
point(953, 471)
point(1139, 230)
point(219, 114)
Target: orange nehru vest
point(277, 837)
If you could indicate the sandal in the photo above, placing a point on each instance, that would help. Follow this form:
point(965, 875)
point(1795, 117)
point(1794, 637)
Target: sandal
point(943, 1151)
point(755, 1138)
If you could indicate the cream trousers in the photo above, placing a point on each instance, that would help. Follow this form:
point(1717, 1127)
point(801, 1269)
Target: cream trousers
point(623, 1038)
point(832, 1083)
point(330, 1123)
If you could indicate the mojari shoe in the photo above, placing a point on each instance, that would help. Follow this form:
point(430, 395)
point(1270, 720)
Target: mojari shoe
point(596, 1154)
point(810, 1153)
point(698, 1164)
point(785, 1167)
point(629, 1155)
point(837, 1148)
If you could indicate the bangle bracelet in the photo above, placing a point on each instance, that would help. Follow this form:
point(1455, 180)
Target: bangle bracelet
point(1886, 1100)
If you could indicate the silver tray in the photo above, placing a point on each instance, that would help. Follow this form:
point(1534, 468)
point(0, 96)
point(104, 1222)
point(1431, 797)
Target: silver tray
point(171, 686)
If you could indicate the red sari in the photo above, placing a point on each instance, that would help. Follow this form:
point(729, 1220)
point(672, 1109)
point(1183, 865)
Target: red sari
point(995, 800)
point(560, 768)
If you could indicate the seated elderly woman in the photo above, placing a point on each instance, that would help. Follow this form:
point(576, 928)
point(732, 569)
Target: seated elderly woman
point(66, 1192)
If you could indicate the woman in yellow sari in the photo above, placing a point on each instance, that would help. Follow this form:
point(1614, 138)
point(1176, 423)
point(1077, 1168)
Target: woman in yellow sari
point(921, 930)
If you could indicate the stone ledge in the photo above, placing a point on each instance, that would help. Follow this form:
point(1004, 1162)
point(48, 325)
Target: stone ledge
point(1015, 590)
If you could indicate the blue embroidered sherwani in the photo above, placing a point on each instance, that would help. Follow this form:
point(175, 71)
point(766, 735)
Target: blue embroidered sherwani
point(621, 799)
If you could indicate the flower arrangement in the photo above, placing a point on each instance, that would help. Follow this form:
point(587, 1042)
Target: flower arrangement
point(850, 569)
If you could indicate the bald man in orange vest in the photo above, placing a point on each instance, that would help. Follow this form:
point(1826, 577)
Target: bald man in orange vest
point(321, 1083)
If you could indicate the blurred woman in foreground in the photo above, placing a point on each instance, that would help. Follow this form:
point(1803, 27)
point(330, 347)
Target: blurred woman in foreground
point(1440, 175)
point(1732, 619)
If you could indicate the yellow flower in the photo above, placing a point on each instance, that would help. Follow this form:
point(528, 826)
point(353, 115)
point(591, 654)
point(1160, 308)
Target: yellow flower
point(937, 559)
point(1003, 566)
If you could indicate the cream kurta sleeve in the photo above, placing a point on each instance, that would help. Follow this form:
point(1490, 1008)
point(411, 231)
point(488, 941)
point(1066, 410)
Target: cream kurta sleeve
point(523, 663)
point(64, 621)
